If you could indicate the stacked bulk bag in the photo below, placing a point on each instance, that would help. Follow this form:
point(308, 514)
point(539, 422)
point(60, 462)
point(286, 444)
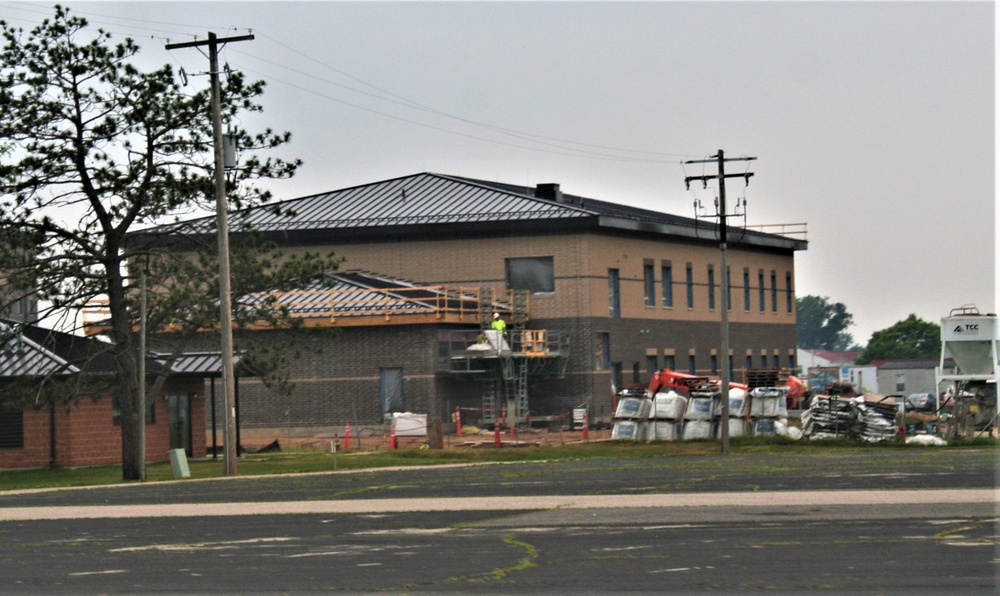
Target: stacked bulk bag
point(699, 416)
point(737, 413)
point(768, 412)
point(666, 416)
point(631, 417)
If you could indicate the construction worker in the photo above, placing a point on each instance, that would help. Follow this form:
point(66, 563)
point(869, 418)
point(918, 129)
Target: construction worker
point(498, 324)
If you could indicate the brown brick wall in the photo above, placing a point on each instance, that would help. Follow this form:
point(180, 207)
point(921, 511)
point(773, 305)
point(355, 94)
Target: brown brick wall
point(35, 453)
point(87, 436)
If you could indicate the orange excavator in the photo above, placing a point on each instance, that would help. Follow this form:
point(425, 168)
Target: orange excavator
point(666, 379)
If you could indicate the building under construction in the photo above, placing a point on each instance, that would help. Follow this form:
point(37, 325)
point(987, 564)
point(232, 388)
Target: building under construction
point(595, 295)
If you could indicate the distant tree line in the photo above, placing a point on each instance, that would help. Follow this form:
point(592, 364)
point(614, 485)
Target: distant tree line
point(822, 325)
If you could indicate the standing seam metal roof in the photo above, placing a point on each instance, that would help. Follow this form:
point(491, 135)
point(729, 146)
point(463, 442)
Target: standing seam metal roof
point(428, 199)
point(418, 199)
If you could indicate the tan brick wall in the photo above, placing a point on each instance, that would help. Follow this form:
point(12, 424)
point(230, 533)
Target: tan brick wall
point(581, 269)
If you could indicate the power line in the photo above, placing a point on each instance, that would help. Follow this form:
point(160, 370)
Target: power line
point(548, 144)
point(567, 152)
point(413, 103)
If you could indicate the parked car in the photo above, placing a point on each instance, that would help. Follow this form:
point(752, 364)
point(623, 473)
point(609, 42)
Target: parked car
point(921, 402)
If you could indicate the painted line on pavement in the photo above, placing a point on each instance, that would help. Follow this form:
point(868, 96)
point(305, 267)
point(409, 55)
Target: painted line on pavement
point(521, 503)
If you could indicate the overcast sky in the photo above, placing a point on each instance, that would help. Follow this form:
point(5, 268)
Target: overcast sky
point(873, 123)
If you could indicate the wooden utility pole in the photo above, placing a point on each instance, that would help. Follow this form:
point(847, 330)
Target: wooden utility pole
point(722, 214)
point(222, 229)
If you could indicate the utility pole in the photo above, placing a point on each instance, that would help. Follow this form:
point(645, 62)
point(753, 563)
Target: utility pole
point(722, 214)
point(222, 229)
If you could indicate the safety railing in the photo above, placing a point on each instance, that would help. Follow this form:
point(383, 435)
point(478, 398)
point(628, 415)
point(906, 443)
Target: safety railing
point(461, 304)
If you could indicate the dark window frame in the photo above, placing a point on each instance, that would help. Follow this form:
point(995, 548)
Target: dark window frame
point(534, 274)
point(746, 289)
point(689, 280)
point(667, 271)
point(11, 429)
point(614, 294)
point(648, 283)
point(711, 287)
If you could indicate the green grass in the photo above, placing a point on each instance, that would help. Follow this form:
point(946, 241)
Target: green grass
point(311, 460)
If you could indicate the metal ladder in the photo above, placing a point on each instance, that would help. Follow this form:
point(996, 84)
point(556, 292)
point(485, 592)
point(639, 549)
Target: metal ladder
point(520, 388)
point(488, 390)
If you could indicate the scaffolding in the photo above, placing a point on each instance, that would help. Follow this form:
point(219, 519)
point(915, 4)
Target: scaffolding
point(504, 365)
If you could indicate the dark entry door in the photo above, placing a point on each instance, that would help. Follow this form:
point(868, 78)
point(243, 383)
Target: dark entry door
point(179, 408)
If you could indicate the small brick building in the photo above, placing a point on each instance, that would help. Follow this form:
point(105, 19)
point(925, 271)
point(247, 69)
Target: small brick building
point(84, 428)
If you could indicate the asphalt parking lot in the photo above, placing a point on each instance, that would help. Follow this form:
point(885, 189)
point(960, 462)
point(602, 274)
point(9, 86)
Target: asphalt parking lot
point(877, 521)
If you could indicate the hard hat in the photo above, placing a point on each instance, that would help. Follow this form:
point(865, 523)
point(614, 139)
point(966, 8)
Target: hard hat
point(496, 315)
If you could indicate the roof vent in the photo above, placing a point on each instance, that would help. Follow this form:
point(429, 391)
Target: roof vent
point(549, 191)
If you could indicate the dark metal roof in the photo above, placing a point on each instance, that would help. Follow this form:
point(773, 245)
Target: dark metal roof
point(22, 357)
point(411, 200)
point(201, 364)
point(434, 201)
point(626, 217)
point(31, 350)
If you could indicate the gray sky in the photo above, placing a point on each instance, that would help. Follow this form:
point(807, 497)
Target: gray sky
point(874, 123)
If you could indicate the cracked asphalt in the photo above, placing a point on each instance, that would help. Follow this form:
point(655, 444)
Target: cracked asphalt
point(840, 521)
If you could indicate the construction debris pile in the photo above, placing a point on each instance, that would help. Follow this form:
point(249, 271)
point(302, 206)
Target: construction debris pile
point(865, 418)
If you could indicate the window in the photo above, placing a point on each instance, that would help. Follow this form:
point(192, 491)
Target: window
point(648, 283)
point(614, 294)
point(691, 364)
point(791, 361)
point(711, 288)
point(670, 362)
point(25, 306)
point(763, 360)
point(749, 364)
point(789, 302)
point(652, 365)
point(760, 286)
point(715, 364)
point(636, 373)
point(746, 289)
point(731, 375)
point(777, 361)
point(535, 274)
point(689, 274)
point(774, 292)
point(11, 429)
point(602, 351)
point(667, 270)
